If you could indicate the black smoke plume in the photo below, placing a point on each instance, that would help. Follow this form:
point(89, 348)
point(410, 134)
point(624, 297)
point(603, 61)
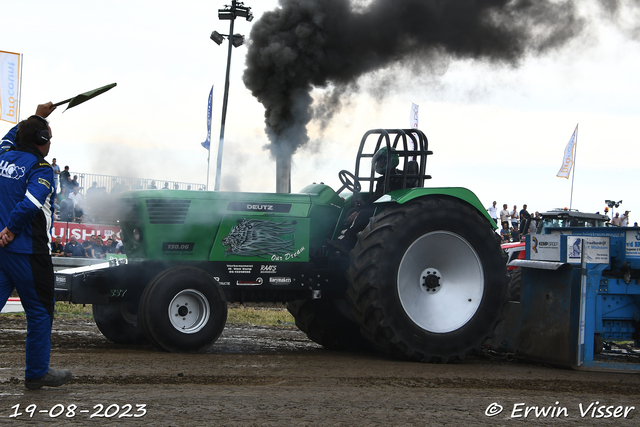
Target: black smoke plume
point(307, 44)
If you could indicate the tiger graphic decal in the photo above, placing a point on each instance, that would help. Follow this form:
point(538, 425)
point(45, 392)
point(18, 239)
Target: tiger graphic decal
point(260, 238)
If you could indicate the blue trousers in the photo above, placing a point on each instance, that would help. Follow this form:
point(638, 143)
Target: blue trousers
point(32, 277)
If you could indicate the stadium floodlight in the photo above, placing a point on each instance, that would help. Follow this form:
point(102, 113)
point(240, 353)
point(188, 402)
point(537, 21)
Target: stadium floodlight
point(224, 14)
point(613, 203)
point(238, 40)
point(217, 37)
point(237, 9)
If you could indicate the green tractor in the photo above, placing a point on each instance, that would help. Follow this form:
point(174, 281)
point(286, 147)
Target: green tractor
point(425, 279)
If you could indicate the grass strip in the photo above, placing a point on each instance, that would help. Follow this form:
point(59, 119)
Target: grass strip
point(237, 314)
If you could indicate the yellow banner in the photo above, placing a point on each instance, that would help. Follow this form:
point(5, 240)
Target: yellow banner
point(9, 86)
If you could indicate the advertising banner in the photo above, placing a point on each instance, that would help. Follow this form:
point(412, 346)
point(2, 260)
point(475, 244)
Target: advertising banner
point(596, 249)
point(9, 86)
point(413, 119)
point(633, 243)
point(207, 143)
point(568, 159)
point(82, 232)
point(545, 247)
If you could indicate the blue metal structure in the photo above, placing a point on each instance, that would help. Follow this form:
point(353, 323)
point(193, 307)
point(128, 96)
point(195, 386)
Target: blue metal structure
point(580, 288)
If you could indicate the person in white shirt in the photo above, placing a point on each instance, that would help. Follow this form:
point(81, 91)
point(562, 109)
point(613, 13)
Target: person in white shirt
point(78, 202)
point(624, 220)
point(76, 197)
point(515, 217)
point(493, 212)
point(504, 216)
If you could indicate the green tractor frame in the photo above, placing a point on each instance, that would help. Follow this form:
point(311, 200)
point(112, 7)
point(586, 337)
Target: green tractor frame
point(425, 281)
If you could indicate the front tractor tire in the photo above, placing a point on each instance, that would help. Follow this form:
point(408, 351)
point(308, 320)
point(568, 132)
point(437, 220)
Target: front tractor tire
point(183, 309)
point(428, 280)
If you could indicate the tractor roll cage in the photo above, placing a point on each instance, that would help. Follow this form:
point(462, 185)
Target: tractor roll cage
point(411, 146)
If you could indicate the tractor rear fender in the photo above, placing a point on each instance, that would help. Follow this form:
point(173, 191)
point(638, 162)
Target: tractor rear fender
point(408, 194)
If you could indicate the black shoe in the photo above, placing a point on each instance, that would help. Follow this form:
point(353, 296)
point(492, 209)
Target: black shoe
point(53, 378)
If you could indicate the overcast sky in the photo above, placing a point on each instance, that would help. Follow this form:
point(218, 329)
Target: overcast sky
point(499, 131)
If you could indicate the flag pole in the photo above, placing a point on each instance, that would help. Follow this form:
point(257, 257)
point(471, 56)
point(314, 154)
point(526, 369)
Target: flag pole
point(575, 156)
point(208, 165)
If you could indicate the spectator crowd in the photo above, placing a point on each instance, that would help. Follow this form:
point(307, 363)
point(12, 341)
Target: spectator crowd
point(621, 221)
point(93, 205)
point(514, 224)
point(96, 247)
point(70, 205)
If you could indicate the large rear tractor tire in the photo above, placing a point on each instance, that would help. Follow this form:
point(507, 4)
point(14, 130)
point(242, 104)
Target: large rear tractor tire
point(118, 322)
point(325, 324)
point(428, 280)
point(183, 309)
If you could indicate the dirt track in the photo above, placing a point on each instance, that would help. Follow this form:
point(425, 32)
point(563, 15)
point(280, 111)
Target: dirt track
point(275, 376)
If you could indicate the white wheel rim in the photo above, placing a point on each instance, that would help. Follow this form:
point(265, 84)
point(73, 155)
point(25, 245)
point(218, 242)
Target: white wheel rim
point(440, 282)
point(189, 311)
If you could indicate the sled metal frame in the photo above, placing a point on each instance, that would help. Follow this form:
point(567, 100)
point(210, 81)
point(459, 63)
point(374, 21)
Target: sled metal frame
point(564, 305)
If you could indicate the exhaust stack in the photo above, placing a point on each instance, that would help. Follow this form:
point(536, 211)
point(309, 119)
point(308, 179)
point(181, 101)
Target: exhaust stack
point(283, 174)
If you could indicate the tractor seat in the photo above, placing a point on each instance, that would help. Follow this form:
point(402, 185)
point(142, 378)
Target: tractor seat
point(412, 169)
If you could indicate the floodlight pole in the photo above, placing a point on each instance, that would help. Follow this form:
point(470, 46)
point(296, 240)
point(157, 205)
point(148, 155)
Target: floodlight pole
point(224, 103)
point(230, 12)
